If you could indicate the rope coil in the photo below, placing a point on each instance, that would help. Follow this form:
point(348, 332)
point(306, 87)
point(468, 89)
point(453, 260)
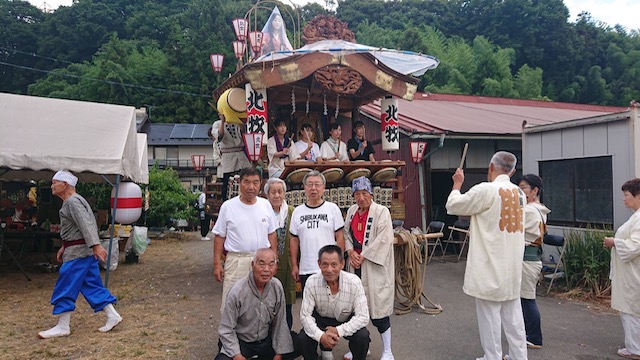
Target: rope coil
point(410, 276)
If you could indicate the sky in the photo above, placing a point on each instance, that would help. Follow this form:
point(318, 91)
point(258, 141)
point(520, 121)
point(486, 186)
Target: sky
point(612, 12)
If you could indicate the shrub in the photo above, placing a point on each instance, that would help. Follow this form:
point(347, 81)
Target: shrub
point(587, 261)
point(168, 198)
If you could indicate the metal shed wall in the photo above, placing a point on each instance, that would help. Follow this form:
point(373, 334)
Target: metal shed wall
point(614, 138)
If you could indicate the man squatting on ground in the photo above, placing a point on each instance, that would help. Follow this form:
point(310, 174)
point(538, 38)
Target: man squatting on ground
point(253, 323)
point(79, 255)
point(334, 306)
point(245, 224)
point(496, 248)
point(369, 243)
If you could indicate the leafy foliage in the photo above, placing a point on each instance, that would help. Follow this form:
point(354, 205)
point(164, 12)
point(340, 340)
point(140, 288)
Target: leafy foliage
point(156, 53)
point(587, 262)
point(168, 198)
point(101, 192)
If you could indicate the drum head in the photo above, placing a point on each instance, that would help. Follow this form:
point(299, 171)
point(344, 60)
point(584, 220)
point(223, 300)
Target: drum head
point(333, 174)
point(384, 174)
point(236, 100)
point(357, 173)
point(296, 176)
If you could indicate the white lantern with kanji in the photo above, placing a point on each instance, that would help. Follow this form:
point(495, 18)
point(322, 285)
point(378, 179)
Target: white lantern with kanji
point(240, 27)
point(389, 122)
point(257, 119)
point(418, 149)
point(255, 40)
point(129, 204)
point(253, 145)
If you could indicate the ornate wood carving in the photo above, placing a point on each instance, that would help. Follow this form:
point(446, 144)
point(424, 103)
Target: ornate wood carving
point(324, 27)
point(339, 79)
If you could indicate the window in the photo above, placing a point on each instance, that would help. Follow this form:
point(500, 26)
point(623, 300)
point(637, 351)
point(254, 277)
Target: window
point(579, 192)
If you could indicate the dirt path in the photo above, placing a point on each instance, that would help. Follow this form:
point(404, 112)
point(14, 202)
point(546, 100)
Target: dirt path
point(169, 302)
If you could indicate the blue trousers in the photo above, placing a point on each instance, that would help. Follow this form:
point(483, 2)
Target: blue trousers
point(80, 276)
point(531, 321)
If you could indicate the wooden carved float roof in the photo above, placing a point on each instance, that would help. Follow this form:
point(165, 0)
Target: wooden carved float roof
point(365, 78)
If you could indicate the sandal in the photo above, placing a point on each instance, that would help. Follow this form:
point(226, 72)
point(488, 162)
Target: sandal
point(627, 354)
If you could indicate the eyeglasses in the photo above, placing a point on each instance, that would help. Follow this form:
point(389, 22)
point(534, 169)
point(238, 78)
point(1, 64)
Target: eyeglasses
point(263, 265)
point(317, 185)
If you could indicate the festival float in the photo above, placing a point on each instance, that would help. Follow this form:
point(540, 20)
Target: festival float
point(319, 83)
point(322, 82)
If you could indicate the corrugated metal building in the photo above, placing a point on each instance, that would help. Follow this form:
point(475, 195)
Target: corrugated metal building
point(487, 124)
point(584, 163)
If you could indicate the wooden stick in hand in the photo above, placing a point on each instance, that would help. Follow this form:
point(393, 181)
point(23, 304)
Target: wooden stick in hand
point(464, 155)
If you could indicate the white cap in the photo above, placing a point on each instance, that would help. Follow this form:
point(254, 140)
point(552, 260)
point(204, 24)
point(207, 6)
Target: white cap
point(66, 176)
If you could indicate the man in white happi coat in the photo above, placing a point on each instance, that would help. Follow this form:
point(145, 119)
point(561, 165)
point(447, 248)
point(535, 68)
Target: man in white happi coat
point(496, 248)
point(369, 243)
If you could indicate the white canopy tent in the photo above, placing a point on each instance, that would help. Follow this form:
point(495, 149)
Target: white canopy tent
point(143, 157)
point(41, 136)
point(94, 141)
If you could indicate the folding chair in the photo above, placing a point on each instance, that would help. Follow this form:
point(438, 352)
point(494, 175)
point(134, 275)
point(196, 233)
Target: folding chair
point(557, 241)
point(435, 227)
point(454, 238)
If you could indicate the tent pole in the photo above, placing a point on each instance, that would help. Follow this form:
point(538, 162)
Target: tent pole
point(113, 220)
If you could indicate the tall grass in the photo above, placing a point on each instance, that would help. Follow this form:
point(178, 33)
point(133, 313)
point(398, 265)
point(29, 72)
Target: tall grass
point(587, 261)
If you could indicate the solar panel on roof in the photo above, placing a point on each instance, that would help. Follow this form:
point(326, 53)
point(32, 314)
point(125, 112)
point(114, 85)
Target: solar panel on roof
point(189, 131)
point(182, 131)
point(200, 131)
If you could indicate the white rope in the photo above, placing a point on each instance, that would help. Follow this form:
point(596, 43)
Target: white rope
point(324, 98)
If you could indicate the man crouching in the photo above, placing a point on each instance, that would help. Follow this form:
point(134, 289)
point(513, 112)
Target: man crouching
point(333, 306)
point(253, 323)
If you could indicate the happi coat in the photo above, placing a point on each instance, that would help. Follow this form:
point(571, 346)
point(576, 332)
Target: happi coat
point(496, 238)
point(378, 270)
point(625, 267)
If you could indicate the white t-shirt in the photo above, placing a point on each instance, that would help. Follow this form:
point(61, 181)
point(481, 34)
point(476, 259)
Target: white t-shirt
point(246, 228)
point(312, 155)
point(315, 227)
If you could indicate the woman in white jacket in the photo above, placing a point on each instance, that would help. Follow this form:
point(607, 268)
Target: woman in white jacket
point(625, 271)
point(535, 217)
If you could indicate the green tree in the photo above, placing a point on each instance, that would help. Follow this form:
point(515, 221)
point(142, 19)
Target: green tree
point(528, 82)
point(373, 35)
point(595, 89)
point(19, 22)
point(168, 199)
point(76, 32)
point(117, 74)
